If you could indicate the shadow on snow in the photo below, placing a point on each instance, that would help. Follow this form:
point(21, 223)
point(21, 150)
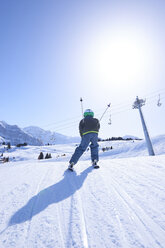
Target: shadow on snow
point(55, 193)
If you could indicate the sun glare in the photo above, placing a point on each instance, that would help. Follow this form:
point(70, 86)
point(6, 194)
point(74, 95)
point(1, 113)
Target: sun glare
point(119, 61)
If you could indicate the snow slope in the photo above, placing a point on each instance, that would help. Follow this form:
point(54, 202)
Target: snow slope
point(122, 204)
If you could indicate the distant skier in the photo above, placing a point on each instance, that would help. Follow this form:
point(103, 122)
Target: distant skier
point(88, 128)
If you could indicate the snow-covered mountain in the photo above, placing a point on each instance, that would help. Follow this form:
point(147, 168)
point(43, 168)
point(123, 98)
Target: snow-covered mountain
point(32, 135)
point(15, 135)
point(2, 140)
point(49, 137)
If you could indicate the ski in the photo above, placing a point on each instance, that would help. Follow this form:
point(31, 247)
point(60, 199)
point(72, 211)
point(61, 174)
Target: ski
point(96, 166)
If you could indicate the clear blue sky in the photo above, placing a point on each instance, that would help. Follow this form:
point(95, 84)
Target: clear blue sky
point(54, 52)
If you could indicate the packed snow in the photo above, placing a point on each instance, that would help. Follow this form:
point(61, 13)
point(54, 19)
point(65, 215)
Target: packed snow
point(120, 205)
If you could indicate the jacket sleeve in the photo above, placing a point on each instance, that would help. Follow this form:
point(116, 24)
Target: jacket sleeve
point(98, 125)
point(81, 124)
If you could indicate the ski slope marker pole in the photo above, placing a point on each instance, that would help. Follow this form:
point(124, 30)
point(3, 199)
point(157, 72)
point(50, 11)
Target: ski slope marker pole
point(108, 106)
point(81, 100)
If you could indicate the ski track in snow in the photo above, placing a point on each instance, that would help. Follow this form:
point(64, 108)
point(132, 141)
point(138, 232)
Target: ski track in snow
point(50, 222)
point(145, 223)
point(101, 230)
point(138, 218)
point(88, 208)
point(147, 227)
point(41, 182)
point(80, 212)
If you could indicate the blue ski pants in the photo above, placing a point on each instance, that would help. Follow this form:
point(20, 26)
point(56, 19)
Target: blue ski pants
point(90, 138)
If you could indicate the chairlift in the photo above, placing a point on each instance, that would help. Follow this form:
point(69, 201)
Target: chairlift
point(110, 121)
point(159, 103)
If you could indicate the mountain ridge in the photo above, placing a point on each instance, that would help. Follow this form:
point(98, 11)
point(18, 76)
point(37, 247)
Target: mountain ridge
point(15, 135)
point(48, 137)
point(32, 135)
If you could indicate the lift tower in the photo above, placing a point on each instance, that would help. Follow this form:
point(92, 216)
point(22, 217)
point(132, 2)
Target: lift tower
point(137, 105)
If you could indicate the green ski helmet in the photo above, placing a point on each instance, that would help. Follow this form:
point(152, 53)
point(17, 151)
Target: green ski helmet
point(88, 112)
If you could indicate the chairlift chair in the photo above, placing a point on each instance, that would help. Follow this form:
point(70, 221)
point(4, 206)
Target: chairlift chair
point(159, 103)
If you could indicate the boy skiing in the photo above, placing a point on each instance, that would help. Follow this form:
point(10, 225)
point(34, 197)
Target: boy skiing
point(88, 128)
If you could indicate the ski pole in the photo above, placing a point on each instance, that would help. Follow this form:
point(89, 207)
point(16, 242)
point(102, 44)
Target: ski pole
point(105, 111)
point(81, 100)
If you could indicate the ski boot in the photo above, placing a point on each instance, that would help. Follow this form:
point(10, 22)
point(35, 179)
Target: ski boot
point(70, 167)
point(95, 165)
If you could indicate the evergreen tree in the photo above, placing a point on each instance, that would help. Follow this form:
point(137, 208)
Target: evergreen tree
point(8, 145)
point(41, 156)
